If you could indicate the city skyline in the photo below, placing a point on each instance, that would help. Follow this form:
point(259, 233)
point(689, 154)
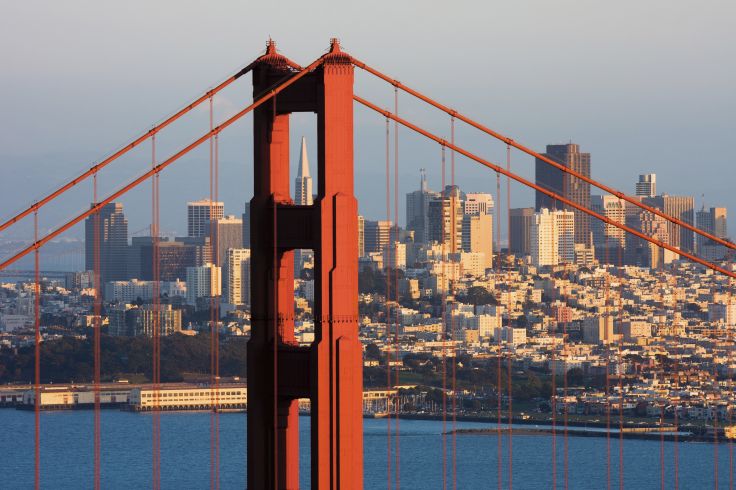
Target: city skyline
point(624, 139)
point(442, 260)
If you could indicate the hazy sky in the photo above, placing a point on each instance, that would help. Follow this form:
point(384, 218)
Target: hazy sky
point(645, 86)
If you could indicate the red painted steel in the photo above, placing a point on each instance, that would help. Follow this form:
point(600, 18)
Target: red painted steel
point(96, 326)
point(37, 358)
point(553, 195)
point(541, 157)
point(329, 372)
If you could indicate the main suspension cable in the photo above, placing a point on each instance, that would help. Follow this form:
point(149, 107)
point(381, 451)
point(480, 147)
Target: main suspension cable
point(278, 88)
point(543, 157)
point(543, 190)
point(125, 149)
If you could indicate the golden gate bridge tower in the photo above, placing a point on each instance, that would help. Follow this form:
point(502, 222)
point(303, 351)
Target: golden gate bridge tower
point(329, 372)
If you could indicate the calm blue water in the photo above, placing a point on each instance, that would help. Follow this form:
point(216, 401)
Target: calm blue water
point(67, 460)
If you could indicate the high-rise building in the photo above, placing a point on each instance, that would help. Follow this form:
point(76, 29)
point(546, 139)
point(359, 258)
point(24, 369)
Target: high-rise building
point(598, 329)
point(361, 236)
point(126, 320)
point(564, 184)
point(228, 234)
point(521, 223)
point(203, 282)
point(394, 256)
point(478, 236)
point(174, 258)
point(478, 203)
point(608, 240)
point(647, 185)
point(112, 237)
point(445, 219)
point(417, 208)
point(303, 184)
point(199, 214)
point(713, 221)
point(302, 197)
point(640, 252)
point(552, 238)
point(202, 248)
point(681, 207)
point(377, 235)
point(233, 270)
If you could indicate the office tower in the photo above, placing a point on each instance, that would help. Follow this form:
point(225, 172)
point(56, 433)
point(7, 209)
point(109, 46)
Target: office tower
point(681, 207)
point(565, 225)
point(520, 224)
point(303, 183)
point(713, 221)
point(203, 282)
point(174, 258)
point(647, 185)
point(112, 236)
point(128, 321)
point(552, 238)
point(417, 208)
point(198, 216)
point(566, 185)
point(394, 256)
point(598, 329)
point(640, 252)
point(303, 197)
point(361, 236)
point(377, 235)
point(478, 236)
point(202, 248)
point(246, 226)
point(478, 203)
point(445, 219)
point(608, 240)
point(228, 233)
point(234, 259)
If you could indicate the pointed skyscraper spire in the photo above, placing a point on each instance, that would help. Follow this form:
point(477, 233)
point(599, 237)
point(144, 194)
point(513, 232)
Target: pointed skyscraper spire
point(303, 182)
point(303, 161)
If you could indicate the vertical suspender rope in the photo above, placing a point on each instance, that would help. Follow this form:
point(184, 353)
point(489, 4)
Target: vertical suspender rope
point(716, 390)
point(620, 375)
point(155, 324)
point(661, 369)
point(677, 389)
point(389, 380)
point(509, 343)
point(454, 201)
point(218, 260)
point(499, 325)
point(443, 276)
point(565, 414)
point(96, 334)
point(395, 252)
point(555, 247)
point(729, 307)
point(607, 406)
point(37, 357)
point(213, 248)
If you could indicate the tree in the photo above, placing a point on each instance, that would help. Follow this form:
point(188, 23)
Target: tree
point(478, 295)
point(372, 352)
